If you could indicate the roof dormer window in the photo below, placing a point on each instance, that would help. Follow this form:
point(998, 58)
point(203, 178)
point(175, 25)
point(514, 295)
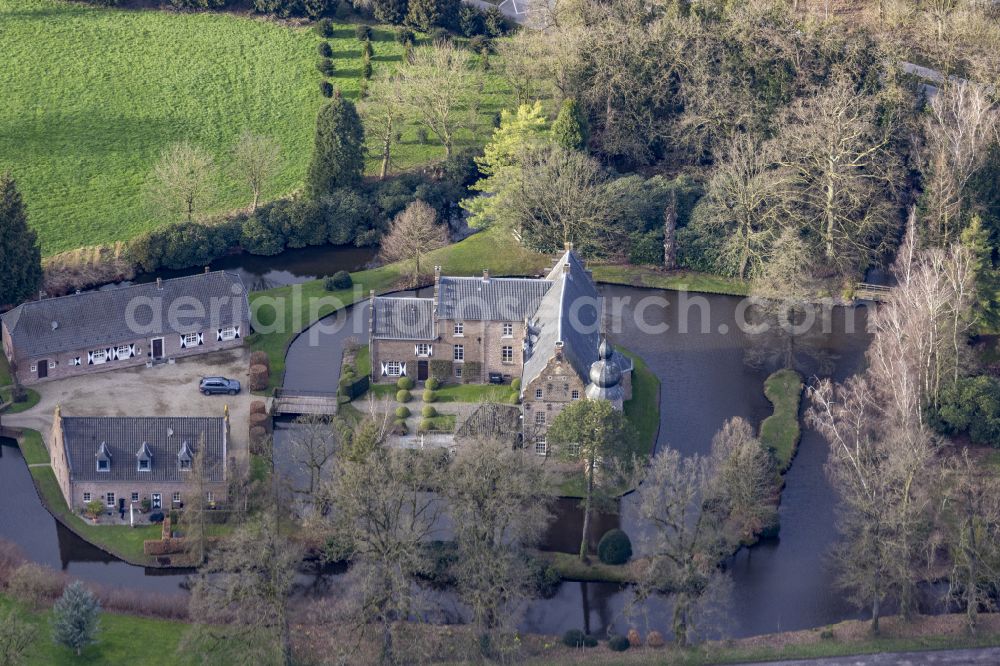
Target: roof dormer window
point(103, 458)
point(184, 458)
point(144, 458)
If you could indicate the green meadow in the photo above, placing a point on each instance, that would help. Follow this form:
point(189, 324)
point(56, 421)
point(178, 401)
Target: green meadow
point(89, 98)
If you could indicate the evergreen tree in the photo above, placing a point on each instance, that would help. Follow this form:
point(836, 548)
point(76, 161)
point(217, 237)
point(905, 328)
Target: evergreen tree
point(75, 618)
point(424, 14)
point(19, 254)
point(570, 127)
point(338, 156)
point(389, 11)
point(977, 240)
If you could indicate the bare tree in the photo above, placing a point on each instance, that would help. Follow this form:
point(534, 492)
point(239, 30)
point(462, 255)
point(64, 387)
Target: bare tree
point(500, 506)
point(961, 125)
point(197, 506)
point(670, 233)
point(442, 90)
point(383, 116)
point(182, 181)
point(241, 597)
point(314, 442)
point(255, 159)
point(686, 543)
point(413, 233)
point(745, 481)
point(17, 635)
point(381, 519)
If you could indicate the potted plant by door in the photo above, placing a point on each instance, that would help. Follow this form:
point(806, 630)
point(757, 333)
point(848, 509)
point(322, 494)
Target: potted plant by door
point(146, 505)
point(94, 509)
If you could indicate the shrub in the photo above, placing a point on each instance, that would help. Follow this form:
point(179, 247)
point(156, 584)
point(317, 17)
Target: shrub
point(259, 377)
point(258, 440)
point(429, 396)
point(94, 508)
point(337, 281)
point(573, 638)
point(324, 28)
point(325, 50)
point(614, 547)
point(971, 405)
point(260, 358)
point(590, 641)
point(426, 425)
point(402, 412)
point(478, 44)
point(428, 412)
point(258, 407)
point(618, 643)
point(156, 517)
point(494, 23)
point(405, 36)
point(261, 421)
point(35, 585)
point(363, 33)
point(433, 384)
point(367, 51)
point(366, 69)
point(403, 395)
point(654, 639)
point(516, 383)
point(441, 370)
point(470, 20)
point(399, 427)
point(405, 383)
point(326, 66)
point(326, 88)
point(440, 36)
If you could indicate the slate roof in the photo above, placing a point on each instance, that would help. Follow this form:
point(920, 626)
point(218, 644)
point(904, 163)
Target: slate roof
point(489, 299)
point(403, 319)
point(124, 436)
point(98, 318)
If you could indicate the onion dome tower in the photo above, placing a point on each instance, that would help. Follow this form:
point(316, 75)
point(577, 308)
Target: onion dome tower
point(606, 377)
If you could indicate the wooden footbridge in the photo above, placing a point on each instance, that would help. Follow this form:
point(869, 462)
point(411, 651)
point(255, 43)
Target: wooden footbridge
point(871, 292)
point(293, 402)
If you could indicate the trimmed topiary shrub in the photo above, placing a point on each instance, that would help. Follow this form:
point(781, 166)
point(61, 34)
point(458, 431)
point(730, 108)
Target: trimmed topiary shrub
point(259, 377)
point(340, 280)
point(428, 412)
point(260, 358)
point(258, 407)
point(402, 412)
point(614, 547)
point(363, 33)
point(156, 517)
point(326, 66)
point(618, 643)
point(405, 36)
point(324, 28)
point(366, 69)
point(325, 50)
point(433, 384)
point(403, 395)
point(430, 396)
point(426, 425)
point(405, 383)
point(516, 383)
point(399, 427)
point(326, 88)
point(573, 638)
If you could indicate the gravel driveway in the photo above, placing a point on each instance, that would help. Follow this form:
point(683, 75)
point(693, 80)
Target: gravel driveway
point(163, 390)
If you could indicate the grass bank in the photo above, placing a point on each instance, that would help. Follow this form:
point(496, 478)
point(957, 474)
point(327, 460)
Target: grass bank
point(571, 568)
point(124, 640)
point(93, 95)
point(680, 280)
point(122, 542)
point(5, 375)
point(781, 431)
point(30, 401)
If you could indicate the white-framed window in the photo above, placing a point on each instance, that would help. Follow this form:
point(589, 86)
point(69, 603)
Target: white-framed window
point(86, 497)
point(97, 357)
point(143, 464)
point(33, 368)
point(134, 498)
point(110, 499)
point(176, 499)
point(538, 394)
point(459, 353)
point(459, 328)
point(541, 447)
point(103, 465)
point(210, 497)
point(228, 333)
point(573, 449)
point(423, 349)
point(123, 351)
point(458, 371)
point(191, 340)
point(575, 395)
point(539, 418)
point(508, 330)
point(507, 354)
point(157, 501)
point(393, 368)
point(185, 464)
point(52, 364)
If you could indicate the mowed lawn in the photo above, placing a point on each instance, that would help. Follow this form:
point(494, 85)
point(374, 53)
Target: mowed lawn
point(90, 97)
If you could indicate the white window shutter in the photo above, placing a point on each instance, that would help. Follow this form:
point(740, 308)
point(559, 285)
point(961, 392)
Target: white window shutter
point(183, 344)
point(402, 369)
point(132, 351)
point(237, 331)
point(385, 369)
point(201, 338)
point(111, 354)
point(90, 358)
point(218, 335)
point(416, 350)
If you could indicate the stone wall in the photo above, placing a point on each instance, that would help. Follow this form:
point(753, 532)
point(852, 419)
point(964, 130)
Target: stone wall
point(559, 386)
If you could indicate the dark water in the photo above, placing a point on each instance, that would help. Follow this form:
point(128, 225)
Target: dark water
point(709, 372)
point(289, 267)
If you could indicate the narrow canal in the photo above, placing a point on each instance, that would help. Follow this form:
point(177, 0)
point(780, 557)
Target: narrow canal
point(710, 371)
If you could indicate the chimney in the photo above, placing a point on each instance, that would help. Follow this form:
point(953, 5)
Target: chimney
point(486, 275)
point(437, 284)
point(559, 350)
point(207, 270)
point(566, 268)
point(569, 246)
point(159, 283)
